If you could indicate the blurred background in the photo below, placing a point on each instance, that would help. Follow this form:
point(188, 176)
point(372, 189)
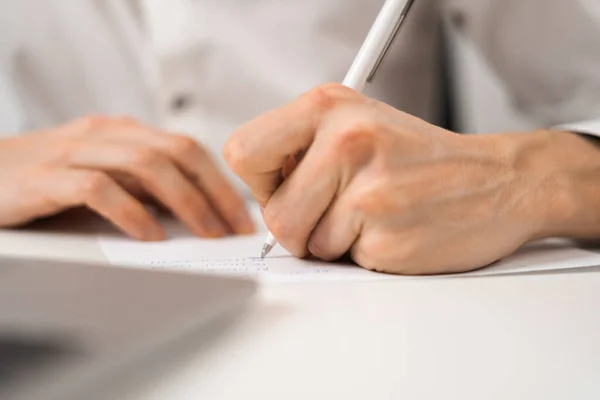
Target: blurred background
point(203, 67)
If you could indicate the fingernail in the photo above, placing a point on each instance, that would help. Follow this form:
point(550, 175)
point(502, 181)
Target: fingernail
point(243, 222)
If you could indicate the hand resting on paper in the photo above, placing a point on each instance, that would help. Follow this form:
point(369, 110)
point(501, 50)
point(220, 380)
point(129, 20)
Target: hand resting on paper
point(400, 195)
point(113, 166)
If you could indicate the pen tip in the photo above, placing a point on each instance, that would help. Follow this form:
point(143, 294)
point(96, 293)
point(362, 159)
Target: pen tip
point(266, 250)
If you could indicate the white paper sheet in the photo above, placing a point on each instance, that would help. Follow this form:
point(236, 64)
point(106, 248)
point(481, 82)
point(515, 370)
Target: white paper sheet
point(239, 256)
point(232, 255)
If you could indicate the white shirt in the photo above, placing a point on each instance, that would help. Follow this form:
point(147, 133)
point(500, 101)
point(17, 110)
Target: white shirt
point(203, 67)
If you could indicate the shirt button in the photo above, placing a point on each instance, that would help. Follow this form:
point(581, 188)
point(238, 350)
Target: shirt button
point(181, 102)
point(458, 19)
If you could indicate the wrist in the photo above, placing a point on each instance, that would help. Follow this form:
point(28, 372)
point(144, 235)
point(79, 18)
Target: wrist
point(558, 184)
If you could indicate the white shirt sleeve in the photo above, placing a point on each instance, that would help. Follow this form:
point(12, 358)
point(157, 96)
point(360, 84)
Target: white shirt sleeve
point(11, 114)
point(590, 127)
point(12, 118)
point(547, 54)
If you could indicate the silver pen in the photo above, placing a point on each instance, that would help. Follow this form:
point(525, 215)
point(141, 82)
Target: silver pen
point(369, 59)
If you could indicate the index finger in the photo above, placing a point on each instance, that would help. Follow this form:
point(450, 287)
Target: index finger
point(197, 165)
point(258, 151)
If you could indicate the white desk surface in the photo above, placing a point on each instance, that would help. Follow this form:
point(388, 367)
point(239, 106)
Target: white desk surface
point(511, 337)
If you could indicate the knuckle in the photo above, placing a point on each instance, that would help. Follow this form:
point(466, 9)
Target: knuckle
point(370, 200)
point(185, 145)
point(336, 89)
point(127, 120)
point(95, 183)
point(93, 123)
point(324, 97)
point(146, 157)
point(233, 153)
point(97, 123)
point(356, 142)
point(65, 153)
point(333, 87)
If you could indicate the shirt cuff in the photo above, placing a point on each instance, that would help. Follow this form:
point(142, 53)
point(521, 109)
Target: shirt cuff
point(590, 127)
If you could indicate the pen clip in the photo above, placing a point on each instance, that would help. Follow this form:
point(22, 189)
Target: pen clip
point(390, 41)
